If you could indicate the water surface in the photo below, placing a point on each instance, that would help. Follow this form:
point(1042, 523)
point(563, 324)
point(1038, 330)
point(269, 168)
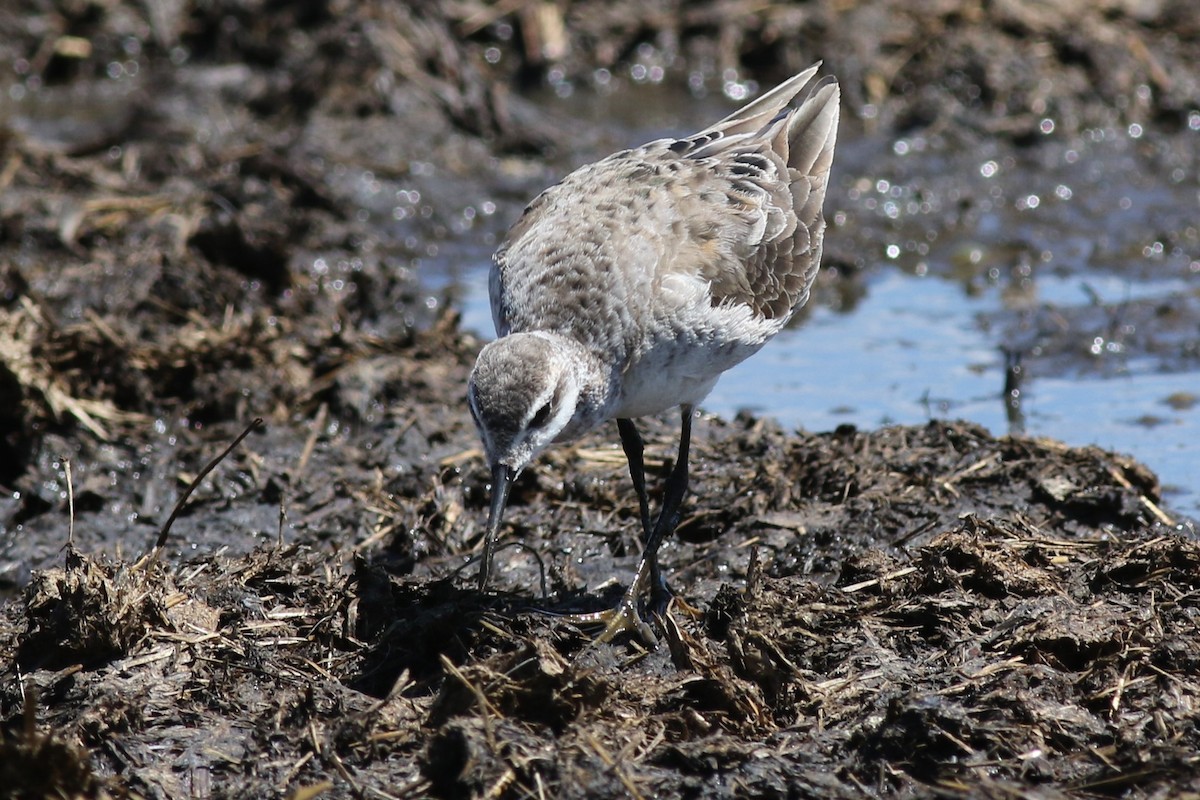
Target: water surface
point(1081, 256)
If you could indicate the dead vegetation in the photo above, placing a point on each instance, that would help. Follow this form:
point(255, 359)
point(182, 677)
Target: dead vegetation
point(999, 655)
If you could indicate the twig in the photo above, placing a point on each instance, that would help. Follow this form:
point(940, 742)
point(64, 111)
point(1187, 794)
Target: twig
point(513, 546)
point(482, 17)
point(282, 517)
point(70, 503)
point(1150, 505)
point(311, 442)
point(166, 528)
point(626, 780)
point(900, 573)
point(485, 706)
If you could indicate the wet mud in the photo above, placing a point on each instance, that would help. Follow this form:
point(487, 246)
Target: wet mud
point(188, 245)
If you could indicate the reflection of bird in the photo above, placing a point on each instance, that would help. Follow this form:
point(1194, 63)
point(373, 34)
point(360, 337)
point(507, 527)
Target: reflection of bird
point(629, 287)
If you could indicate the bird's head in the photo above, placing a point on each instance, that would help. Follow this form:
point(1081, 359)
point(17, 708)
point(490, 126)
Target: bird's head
point(523, 394)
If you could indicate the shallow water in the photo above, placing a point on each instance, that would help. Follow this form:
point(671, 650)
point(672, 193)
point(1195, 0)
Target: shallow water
point(1082, 255)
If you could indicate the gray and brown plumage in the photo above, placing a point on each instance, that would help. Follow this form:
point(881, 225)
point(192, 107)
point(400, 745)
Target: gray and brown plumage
point(629, 287)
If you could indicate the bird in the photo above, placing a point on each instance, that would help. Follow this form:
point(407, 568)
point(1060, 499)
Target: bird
point(630, 286)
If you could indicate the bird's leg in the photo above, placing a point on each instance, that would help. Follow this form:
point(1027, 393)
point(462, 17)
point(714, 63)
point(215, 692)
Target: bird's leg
point(631, 441)
point(668, 517)
point(625, 616)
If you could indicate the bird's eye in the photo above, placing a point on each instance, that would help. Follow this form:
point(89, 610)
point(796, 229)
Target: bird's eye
point(540, 418)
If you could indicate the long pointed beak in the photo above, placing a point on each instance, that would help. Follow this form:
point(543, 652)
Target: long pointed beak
point(502, 481)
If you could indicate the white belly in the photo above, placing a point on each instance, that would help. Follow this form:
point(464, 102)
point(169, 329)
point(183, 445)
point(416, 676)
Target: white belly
point(653, 393)
point(680, 371)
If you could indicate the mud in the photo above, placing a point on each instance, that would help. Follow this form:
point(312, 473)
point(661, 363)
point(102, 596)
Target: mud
point(191, 238)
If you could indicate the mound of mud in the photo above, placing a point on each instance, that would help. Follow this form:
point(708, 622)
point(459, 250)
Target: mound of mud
point(904, 612)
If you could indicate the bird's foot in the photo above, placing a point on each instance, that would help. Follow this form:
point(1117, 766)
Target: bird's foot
point(626, 615)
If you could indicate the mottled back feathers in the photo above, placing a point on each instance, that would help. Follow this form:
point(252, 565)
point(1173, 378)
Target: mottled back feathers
point(737, 205)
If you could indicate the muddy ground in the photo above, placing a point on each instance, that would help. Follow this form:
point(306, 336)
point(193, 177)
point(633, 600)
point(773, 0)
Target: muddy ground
point(913, 611)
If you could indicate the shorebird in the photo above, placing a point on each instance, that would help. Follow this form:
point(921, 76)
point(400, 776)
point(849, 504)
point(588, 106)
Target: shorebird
point(632, 285)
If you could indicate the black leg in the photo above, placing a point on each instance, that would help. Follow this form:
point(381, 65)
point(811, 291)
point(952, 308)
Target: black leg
point(631, 440)
point(668, 518)
point(626, 617)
